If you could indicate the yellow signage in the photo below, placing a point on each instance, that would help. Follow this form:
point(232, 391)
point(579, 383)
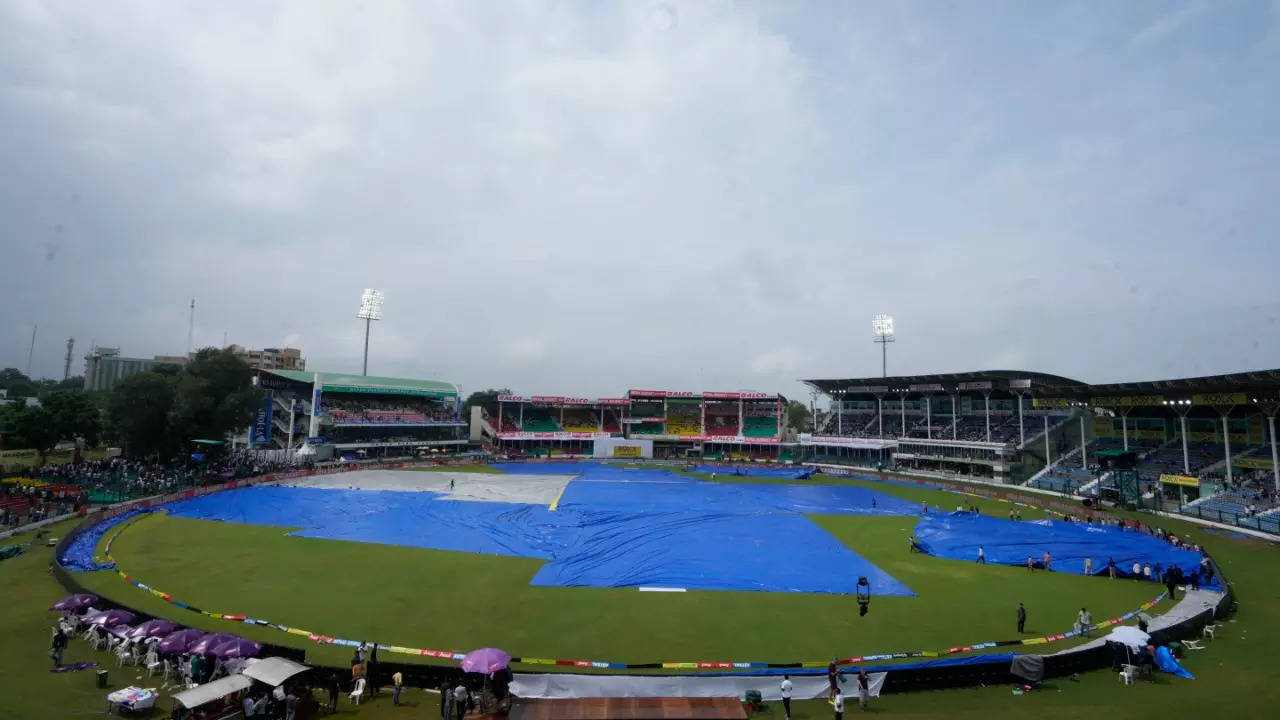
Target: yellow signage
point(1253, 463)
point(1049, 402)
point(1129, 401)
point(629, 451)
point(1180, 480)
point(1219, 399)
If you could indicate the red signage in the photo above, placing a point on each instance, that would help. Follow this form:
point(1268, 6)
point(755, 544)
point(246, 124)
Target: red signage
point(548, 399)
point(612, 401)
point(647, 393)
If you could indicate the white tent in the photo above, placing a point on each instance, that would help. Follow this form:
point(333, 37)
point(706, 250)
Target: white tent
point(274, 670)
point(208, 692)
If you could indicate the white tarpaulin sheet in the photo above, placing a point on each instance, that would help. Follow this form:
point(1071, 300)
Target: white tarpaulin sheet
point(477, 487)
point(804, 687)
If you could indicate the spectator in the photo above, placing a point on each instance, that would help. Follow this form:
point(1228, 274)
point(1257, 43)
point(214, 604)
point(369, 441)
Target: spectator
point(1022, 617)
point(397, 685)
point(786, 696)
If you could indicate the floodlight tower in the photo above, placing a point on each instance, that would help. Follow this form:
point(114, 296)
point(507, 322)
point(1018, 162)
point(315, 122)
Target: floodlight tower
point(370, 310)
point(882, 326)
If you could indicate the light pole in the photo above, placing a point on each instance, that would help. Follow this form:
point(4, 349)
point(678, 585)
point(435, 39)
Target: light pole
point(370, 310)
point(882, 326)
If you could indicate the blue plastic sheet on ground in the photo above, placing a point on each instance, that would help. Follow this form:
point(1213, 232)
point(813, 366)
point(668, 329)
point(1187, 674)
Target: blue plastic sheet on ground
point(613, 528)
point(1007, 542)
point(77, 556)
point(1168, 663)
point(796, 473)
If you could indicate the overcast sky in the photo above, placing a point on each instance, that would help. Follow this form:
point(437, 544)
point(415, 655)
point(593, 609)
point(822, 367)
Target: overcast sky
point(584, 197)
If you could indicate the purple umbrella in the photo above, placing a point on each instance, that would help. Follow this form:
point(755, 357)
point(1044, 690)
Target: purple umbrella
point(237, 648)
point(485, 660)
point(206, 644)
point(111, 618)
point(180, 641)
point(152, 628)
point(75, 602)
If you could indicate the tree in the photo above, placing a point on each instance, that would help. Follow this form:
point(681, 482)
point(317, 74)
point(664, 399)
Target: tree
point(214, 396)
point(138, 413)
point(28, 427)
point(74, 415)
point(18, 384)
point(482, 398)
point(798, 416)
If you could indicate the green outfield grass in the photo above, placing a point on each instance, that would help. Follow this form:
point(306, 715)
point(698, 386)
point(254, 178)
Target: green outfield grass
point(410, 597)
point(459, 600)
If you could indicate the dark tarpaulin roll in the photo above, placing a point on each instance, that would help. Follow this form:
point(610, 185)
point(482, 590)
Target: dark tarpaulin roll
point(1028, 667)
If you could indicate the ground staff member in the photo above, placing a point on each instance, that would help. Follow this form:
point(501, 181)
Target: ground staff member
point(786, 696)
point(838, 703)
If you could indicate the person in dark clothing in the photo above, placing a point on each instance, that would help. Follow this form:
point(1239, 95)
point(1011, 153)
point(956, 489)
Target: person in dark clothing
point(371, 670)
point(1169, 584)
point(833, 679)
point(59, 644)
point(1022, 617)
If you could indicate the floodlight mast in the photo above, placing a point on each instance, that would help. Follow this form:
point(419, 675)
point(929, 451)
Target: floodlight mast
point(882, 326)
point(370, 310)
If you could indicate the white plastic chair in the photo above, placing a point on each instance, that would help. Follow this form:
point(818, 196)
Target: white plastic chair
point(1128, 673)
point(153, 662)
point(122, 655)
point(357, 692)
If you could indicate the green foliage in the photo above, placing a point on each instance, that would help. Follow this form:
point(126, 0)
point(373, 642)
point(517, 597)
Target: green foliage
point(798, 416)
point(159, 412)
point(18, 384)
point(26, 426)
point(74, 415)
point(481, 397)
point(138, 413)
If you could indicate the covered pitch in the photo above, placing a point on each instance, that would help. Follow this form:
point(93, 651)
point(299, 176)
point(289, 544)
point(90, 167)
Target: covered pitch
point(605, 527)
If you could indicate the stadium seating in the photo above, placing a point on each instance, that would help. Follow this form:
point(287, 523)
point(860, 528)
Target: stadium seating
point(684, 421)
point(611, 422)
point(538, 419)
point(581, 420)
point(1063, 480)
point(760, 426)
point(648, 428)
point(364, 411)
point(722, 425)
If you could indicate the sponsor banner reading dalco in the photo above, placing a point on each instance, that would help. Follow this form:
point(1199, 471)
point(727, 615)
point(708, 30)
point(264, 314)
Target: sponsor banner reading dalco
point(659, 394)
point(512, 398)
point(709, 395)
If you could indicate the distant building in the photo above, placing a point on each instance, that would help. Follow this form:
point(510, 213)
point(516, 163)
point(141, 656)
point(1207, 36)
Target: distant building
point(271, 358)
point(104, 367)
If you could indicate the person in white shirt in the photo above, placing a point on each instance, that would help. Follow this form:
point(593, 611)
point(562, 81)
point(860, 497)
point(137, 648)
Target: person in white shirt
point(1088, 566)
point(786, 696)
point(838, 704)
point(1083, 621)
point(982, 555)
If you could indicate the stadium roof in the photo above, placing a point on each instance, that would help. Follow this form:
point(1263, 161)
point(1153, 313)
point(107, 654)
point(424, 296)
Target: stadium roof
point(949, 382)
point(342, 382)
point(1229, 389)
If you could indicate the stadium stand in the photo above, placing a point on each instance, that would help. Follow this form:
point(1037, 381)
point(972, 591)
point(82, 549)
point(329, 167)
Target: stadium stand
point(611, 422)
point(539, 419)
point(400, 410)
point(581, 420)
point(684, 419)
point(760, 426)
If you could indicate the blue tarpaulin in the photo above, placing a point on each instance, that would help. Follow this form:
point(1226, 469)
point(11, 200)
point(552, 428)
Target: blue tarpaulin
point(1168, 663)
point(1008, 542)
point(77, 556)
point(798, 473)
point(612, 528)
